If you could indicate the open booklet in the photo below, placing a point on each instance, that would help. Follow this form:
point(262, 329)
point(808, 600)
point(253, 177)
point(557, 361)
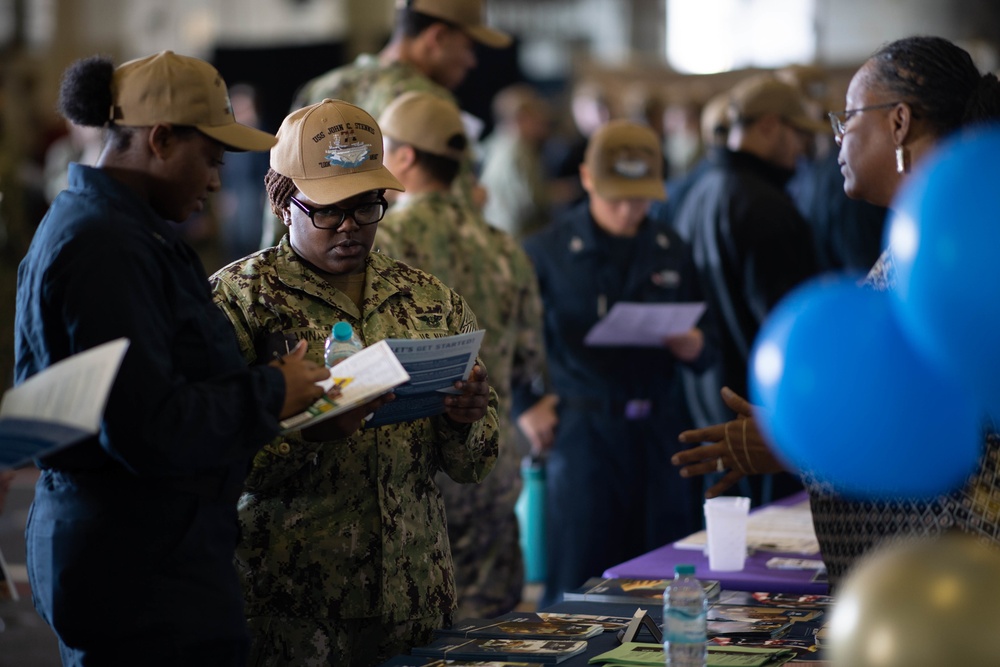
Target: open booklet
point(58, 406)
point(421, 371)
point(368, 373)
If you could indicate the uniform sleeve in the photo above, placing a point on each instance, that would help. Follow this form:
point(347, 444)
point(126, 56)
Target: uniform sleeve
point(529, 377)
point(233, 306)
point(183, 401)
point(468, 452)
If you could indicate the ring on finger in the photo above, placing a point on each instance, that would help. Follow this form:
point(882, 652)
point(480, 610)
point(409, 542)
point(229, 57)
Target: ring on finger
point(718, 465)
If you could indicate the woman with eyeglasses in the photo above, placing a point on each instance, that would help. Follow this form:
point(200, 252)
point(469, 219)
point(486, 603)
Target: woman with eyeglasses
point(344, 554)
point(905, 99)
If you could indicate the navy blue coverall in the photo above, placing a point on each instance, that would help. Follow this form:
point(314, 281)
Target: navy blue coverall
point(131, 534)
point(611, 492)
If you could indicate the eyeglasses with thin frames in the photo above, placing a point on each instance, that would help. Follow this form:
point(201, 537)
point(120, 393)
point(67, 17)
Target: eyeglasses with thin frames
point(332, 217)
point(838, 119)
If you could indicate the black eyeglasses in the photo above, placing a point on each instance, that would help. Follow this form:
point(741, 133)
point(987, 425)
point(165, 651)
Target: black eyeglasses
point(838, 119)
point(332, 217)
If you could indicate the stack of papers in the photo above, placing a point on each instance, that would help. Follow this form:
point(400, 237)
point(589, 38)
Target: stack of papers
point(778, 529)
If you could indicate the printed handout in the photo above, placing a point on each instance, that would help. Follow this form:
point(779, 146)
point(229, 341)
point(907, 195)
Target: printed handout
point(59, 406)
point(630, 324)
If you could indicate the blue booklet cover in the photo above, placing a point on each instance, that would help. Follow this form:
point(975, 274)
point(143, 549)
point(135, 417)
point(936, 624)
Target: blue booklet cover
point(22, 440)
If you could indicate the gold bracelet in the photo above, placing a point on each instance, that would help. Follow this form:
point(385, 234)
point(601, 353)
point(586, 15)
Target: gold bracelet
point(750, 466)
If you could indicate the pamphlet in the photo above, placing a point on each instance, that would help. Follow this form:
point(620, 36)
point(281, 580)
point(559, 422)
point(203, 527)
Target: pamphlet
point(643, 324)
point(370, 372)
point(641, 654)
point(628, 590)
point(609, 623)
point(779, 529)
point(433, 365)
point(58, 406)
point(531, 650)
point(524, 627)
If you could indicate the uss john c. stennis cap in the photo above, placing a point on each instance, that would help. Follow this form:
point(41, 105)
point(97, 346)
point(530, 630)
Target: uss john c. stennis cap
point(332, 151)
point(170, 88)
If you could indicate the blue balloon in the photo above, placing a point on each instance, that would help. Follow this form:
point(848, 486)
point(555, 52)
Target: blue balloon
point(846, 400)
point(945, 237)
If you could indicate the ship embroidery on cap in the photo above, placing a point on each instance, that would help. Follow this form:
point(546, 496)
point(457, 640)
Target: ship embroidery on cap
point(631, 165)
point(351, 155)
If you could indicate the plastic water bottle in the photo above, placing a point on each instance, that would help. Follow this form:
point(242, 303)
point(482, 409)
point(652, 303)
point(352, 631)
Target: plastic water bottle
point(341, 343)
point(684, 625)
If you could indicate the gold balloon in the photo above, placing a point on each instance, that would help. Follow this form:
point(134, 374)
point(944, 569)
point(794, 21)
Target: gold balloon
point(920, 603)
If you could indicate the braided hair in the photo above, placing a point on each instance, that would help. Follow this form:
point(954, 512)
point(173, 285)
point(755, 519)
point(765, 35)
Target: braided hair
point(939, 81)
point(279, 190)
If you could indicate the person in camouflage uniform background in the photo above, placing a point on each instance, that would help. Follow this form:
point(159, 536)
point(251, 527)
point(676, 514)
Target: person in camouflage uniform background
point(344, 555)
point(432, 229)
point(431, 50)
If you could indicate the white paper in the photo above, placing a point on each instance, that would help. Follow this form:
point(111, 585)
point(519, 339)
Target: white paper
point(643, 324)
point(370, 372)
point(72, 391)
point(776, 528)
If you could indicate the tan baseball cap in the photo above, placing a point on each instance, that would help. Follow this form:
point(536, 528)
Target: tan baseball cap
point(332, 151)
point(466, 14)
point(625, 161)
point(426, 121)
point(764, 94)
point(169, 88)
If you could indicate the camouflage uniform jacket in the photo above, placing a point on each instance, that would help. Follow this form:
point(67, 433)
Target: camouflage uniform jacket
point(369, 84)
point(353, 528)
point(438, 234)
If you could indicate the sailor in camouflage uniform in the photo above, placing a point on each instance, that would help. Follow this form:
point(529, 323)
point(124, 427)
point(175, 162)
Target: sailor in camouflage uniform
point(430, 228)
point(344, 555)
point(431, 50)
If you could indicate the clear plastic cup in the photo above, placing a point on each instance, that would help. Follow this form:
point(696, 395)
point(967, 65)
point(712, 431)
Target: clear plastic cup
point(726, 526)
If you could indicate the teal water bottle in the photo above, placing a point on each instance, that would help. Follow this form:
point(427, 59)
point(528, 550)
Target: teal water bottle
point(530, 511)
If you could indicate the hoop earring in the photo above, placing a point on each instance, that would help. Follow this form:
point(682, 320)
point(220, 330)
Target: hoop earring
point(902, 163)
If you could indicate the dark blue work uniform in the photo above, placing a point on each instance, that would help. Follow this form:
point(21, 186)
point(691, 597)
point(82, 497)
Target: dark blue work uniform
point(611, 492)
point(131, 534)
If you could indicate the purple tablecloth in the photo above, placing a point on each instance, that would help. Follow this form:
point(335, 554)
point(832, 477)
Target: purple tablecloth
point(755, 576)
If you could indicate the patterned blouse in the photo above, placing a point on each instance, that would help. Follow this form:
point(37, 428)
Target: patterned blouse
point(847, 529)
